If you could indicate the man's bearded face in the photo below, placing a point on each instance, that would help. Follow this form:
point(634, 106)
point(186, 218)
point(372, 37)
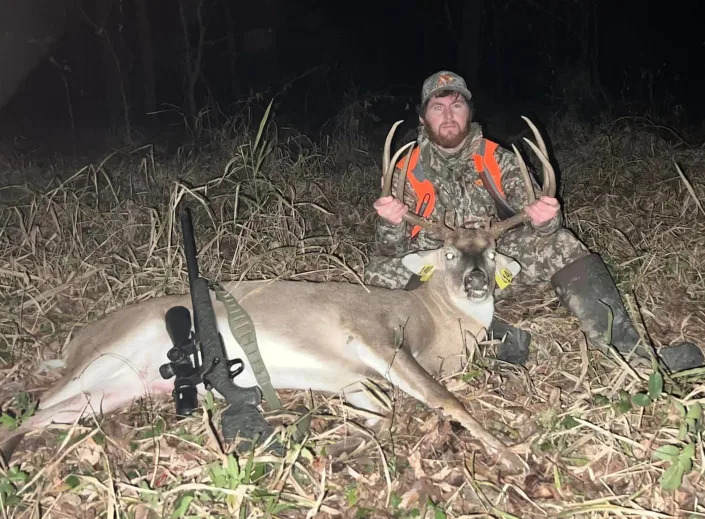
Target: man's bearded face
point(447, 120)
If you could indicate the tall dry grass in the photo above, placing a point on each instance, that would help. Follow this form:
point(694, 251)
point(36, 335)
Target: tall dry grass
point(105, 236)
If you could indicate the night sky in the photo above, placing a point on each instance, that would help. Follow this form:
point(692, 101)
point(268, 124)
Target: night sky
point(80, 64)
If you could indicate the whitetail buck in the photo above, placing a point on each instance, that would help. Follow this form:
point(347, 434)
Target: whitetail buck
point(320, 336)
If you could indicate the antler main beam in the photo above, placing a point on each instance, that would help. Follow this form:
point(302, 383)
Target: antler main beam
point(388, 167)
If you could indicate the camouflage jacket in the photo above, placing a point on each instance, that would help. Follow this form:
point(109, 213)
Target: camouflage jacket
point(459, 198)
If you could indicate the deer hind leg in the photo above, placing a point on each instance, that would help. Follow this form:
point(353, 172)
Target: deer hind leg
point(106, 383)
point(401, 369)
point(67, 411)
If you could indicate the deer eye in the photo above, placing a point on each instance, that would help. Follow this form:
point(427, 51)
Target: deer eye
point(450, 255)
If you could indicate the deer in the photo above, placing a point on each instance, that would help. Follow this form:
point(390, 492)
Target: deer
point(322, 336)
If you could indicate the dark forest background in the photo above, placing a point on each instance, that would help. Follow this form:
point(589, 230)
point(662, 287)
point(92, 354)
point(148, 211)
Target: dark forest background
point(139, 68)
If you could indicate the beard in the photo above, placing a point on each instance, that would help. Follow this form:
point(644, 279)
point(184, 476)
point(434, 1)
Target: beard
point(448, 141)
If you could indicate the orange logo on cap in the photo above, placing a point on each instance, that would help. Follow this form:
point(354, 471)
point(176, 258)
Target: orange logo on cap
point(444, 79)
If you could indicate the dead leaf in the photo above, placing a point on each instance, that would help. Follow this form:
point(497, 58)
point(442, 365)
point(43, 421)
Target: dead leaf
point(415, 462)
point(554, 397)
point(88, 452)
point(145, 512)
point(410, 498)
point(440, 476)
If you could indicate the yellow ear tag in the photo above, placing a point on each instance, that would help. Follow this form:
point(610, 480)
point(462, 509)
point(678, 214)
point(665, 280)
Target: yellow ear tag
point(426, 272)
point(503, 277)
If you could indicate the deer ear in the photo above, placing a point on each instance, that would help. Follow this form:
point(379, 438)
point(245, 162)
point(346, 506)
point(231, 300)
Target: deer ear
point(416, 262)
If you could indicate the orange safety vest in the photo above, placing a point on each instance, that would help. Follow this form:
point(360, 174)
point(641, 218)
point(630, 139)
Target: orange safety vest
point(425, 192)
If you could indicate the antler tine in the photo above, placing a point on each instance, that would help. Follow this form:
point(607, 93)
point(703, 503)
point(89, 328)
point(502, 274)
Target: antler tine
point(528, 184)
point(404, 174)
point(537, 135)
point(387, 187)
point(388, 146)
point(389, 163)
point(549, 181)
point(549, 175)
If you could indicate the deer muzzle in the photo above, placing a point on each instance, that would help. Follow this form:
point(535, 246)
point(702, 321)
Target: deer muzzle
point(477, 284)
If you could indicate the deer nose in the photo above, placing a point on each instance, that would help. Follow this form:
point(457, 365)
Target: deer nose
point(476, 279)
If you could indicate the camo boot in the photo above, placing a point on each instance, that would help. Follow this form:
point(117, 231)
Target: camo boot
point(586, 288)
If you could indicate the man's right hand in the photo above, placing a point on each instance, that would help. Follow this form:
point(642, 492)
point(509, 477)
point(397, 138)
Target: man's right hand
point(390, 209)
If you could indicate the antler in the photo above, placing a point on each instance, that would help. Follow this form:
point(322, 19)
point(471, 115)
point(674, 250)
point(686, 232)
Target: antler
point(388, 166)
point(549, 181)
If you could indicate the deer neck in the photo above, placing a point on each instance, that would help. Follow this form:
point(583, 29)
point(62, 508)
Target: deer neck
point(471, 314)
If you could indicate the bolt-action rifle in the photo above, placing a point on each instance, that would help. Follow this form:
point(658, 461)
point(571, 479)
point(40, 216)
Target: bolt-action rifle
point(200, 357)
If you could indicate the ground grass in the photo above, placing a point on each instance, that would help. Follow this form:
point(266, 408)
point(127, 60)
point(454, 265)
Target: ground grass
point(605, 439)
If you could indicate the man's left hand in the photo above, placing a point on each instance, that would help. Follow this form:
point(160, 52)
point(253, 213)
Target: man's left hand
point(543, 210)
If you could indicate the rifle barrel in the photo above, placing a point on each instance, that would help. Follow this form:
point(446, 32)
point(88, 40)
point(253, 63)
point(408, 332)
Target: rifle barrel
point(189, 245)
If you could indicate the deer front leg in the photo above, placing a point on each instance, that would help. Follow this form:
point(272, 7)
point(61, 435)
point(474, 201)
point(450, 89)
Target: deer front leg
point(401, 369)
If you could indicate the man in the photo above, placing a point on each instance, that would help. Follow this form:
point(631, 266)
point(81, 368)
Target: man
point(455, 175)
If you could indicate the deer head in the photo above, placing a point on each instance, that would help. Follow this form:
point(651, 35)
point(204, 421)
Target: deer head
point(463, 267)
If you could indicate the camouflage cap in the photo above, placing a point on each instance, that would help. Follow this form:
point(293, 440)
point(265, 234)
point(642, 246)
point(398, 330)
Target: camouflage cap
point(443, 80)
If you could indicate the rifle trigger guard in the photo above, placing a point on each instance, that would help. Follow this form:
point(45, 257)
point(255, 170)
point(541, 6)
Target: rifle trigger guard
point(235, 367)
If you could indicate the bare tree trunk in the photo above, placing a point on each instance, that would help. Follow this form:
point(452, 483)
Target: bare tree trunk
point(146, 57)
point(235, 89)
point(193, 54)
point(114, 81)
point(595, 58)
point(469, 41)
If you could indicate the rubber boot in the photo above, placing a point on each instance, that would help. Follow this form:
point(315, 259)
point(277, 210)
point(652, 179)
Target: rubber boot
point(515, 344)
point(586, 288)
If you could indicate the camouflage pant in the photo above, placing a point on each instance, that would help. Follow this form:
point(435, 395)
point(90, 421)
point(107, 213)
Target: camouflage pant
point(539, 256)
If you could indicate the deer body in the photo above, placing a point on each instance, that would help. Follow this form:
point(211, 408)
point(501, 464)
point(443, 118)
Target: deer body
point(314, 336)
point(319, 336)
